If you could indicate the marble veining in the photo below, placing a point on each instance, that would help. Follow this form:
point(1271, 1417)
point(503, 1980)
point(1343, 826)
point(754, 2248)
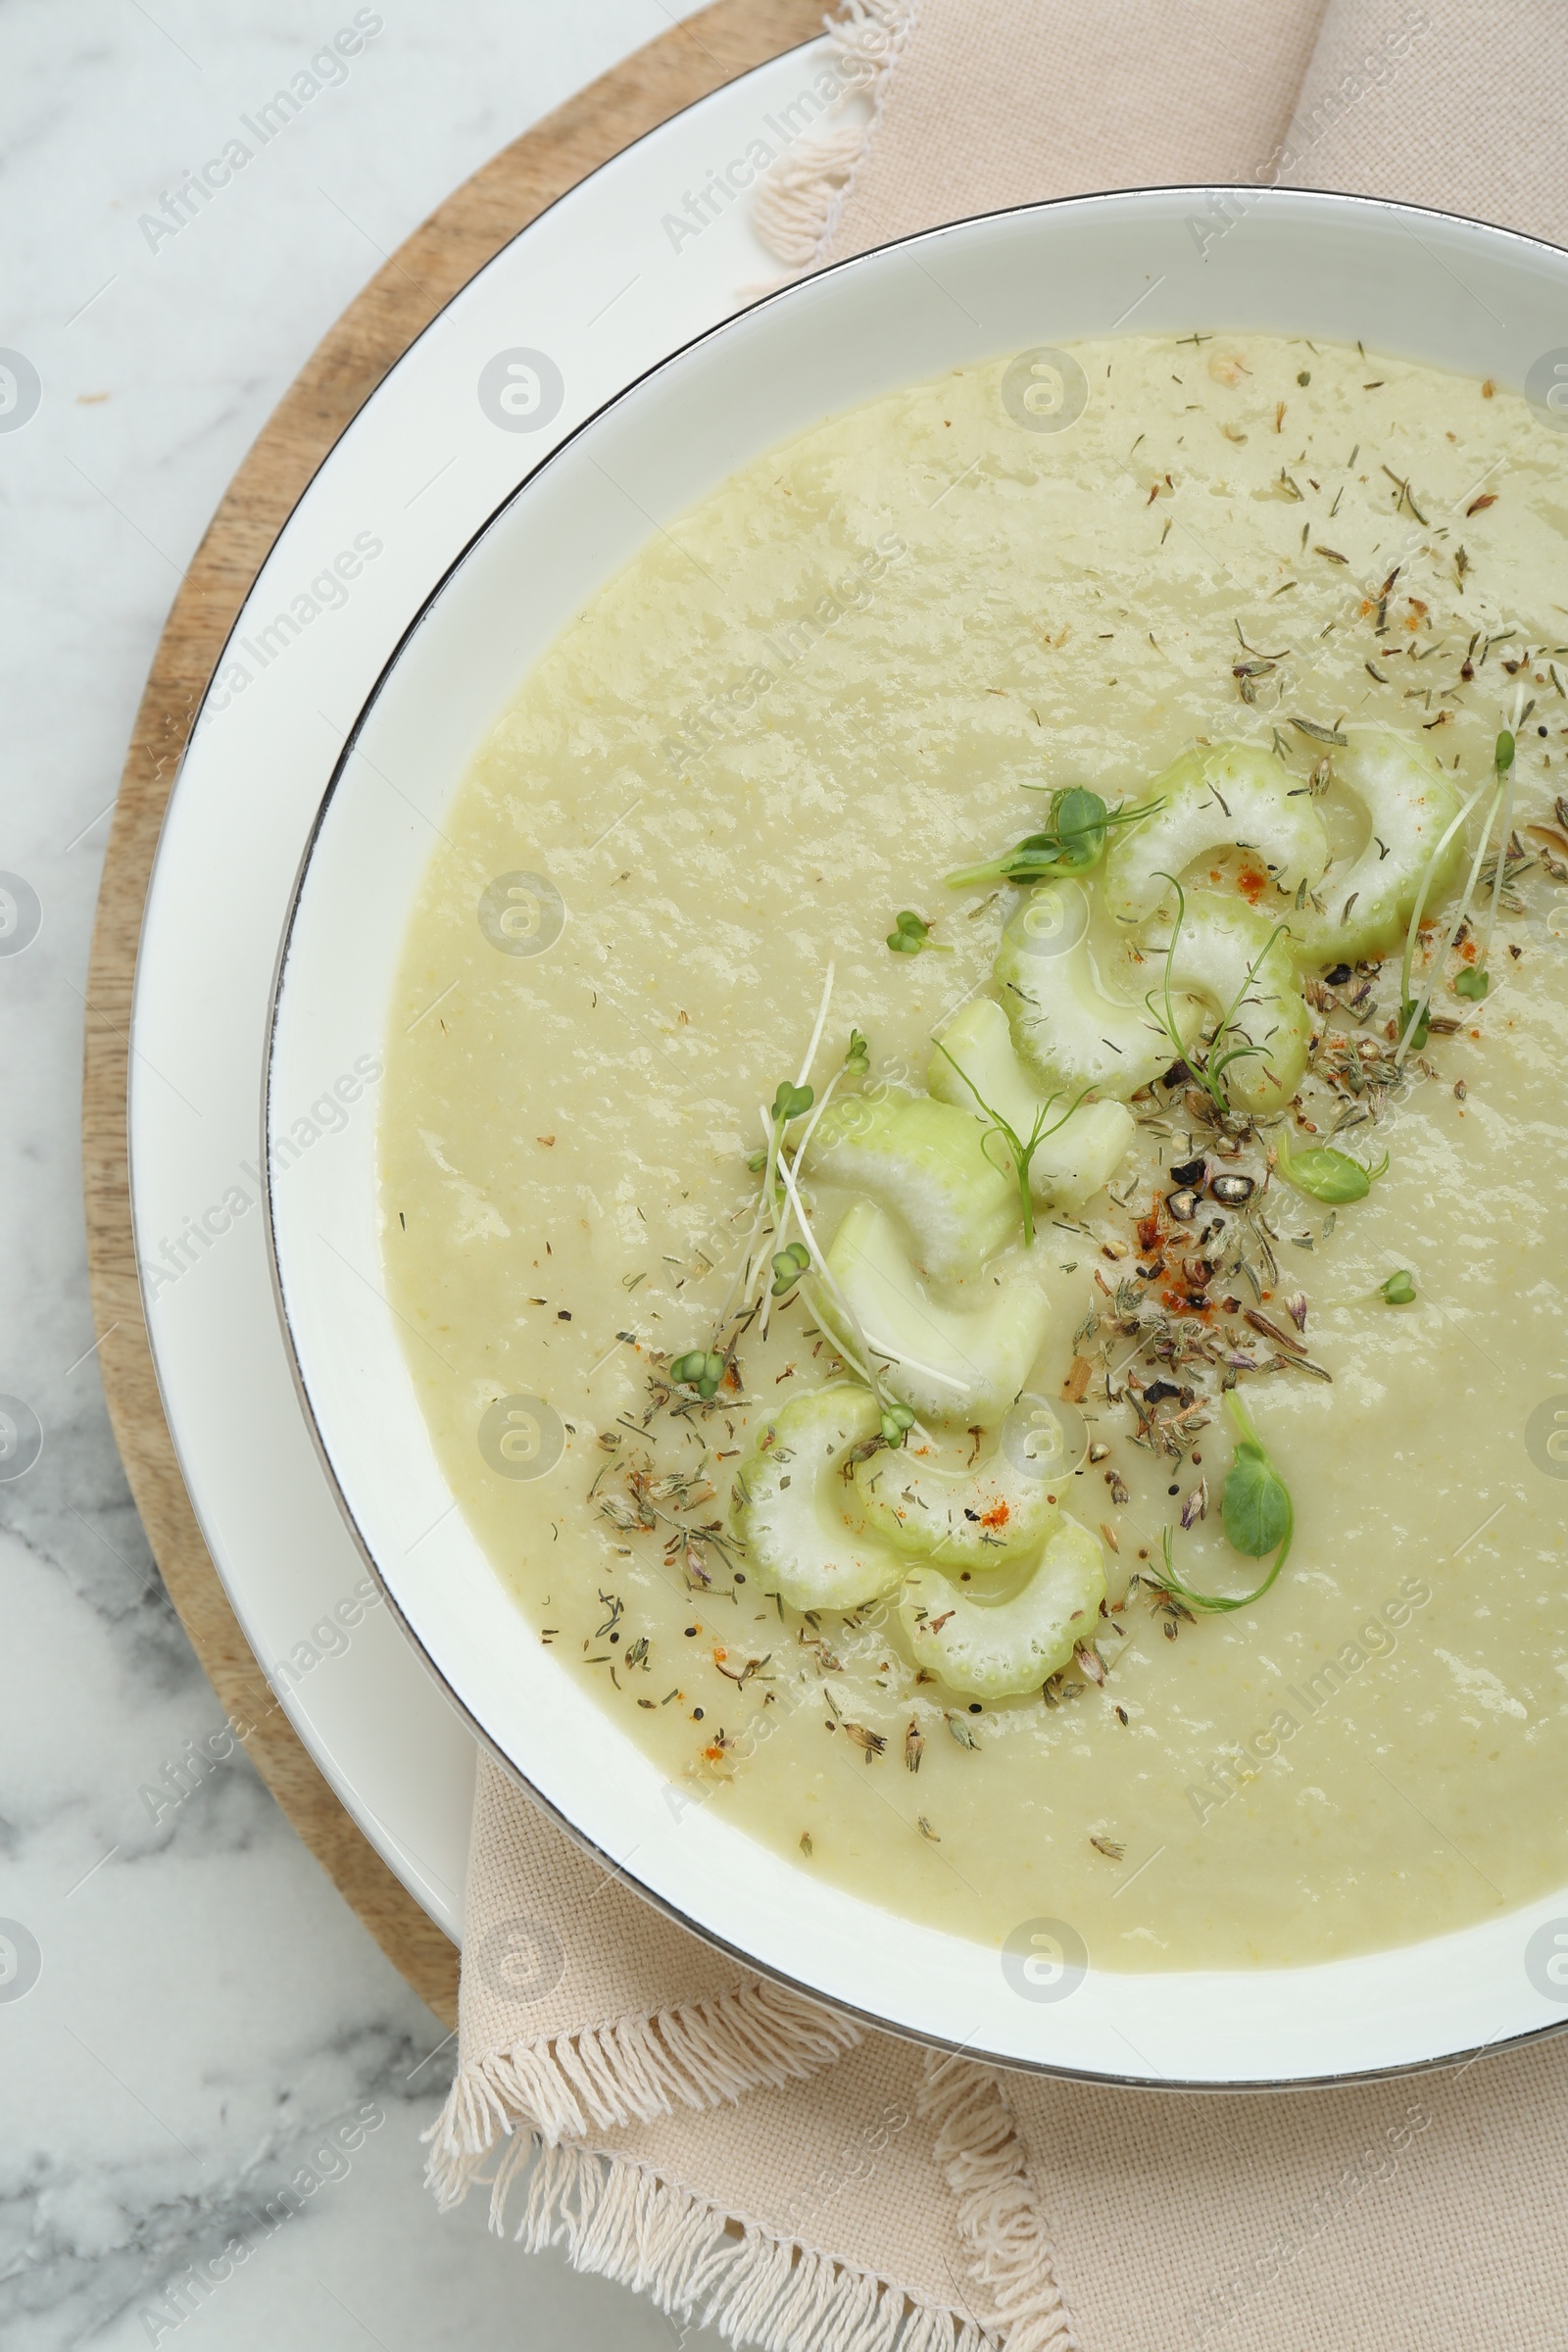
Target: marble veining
point(212, 2082)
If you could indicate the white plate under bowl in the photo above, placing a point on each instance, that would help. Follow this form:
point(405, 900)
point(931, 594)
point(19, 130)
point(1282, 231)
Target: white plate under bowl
point(607, 281)
point(1332, 267)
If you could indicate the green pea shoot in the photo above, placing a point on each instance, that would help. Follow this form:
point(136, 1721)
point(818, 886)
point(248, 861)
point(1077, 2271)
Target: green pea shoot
point(1256, 1512)
point(1074, 841)
point(1326, 1174)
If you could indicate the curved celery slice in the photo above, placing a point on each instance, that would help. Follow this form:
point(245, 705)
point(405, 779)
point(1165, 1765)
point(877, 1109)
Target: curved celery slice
point(1000, 1648)
point(790, 1500)
point(1411, 802)
point(927, 1162)
point(1073, 1162)
point(1221, 939)
point(962, 1518)
point(1227, 796)
point(1067, 1031)
point(967, 1362)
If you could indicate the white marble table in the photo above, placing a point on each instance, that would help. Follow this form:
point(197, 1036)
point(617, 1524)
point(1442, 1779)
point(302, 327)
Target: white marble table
point(205, 2007)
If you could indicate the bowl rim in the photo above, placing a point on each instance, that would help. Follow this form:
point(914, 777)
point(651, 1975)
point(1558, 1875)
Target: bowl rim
point(1332, 202)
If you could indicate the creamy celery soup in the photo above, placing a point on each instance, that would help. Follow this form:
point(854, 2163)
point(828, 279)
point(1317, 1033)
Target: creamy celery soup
point(975, 1151)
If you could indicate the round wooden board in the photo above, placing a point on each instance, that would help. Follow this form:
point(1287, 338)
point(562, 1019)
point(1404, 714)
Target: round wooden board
point(673, 71)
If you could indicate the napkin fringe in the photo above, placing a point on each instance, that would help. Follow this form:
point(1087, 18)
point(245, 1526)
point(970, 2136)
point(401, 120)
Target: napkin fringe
point(625, 2220)
point(982, 2159)
point(621, 2220)
point(796, 206)
point(632, 2069)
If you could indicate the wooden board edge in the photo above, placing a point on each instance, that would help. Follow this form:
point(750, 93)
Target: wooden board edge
point(681, 66)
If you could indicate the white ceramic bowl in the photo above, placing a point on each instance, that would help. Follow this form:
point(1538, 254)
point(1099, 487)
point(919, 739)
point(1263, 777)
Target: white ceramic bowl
point(1446, 291)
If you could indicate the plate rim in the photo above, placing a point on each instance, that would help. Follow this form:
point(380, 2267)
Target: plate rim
point(201, 1478)
point(1331, 201)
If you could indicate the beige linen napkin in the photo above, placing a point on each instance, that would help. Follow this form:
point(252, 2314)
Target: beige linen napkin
point(977, 104)
point(750, 2160)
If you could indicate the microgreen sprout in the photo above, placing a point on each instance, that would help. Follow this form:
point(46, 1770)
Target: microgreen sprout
point(701, 1370)
point(1020, 1152)
point(789, 1264)
point(1074, 840)
point(1415, 1022)
point(1257, 1515)
point(779, 1193)
point(897, 1418)
point(1205, 1060)
point(1326, 1174)
point(1399, 1289)
point(911, 935)
point(1415, 1012)
point(791, 1103)
point(1503, 760)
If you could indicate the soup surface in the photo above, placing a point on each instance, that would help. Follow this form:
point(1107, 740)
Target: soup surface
point(902, 1565)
